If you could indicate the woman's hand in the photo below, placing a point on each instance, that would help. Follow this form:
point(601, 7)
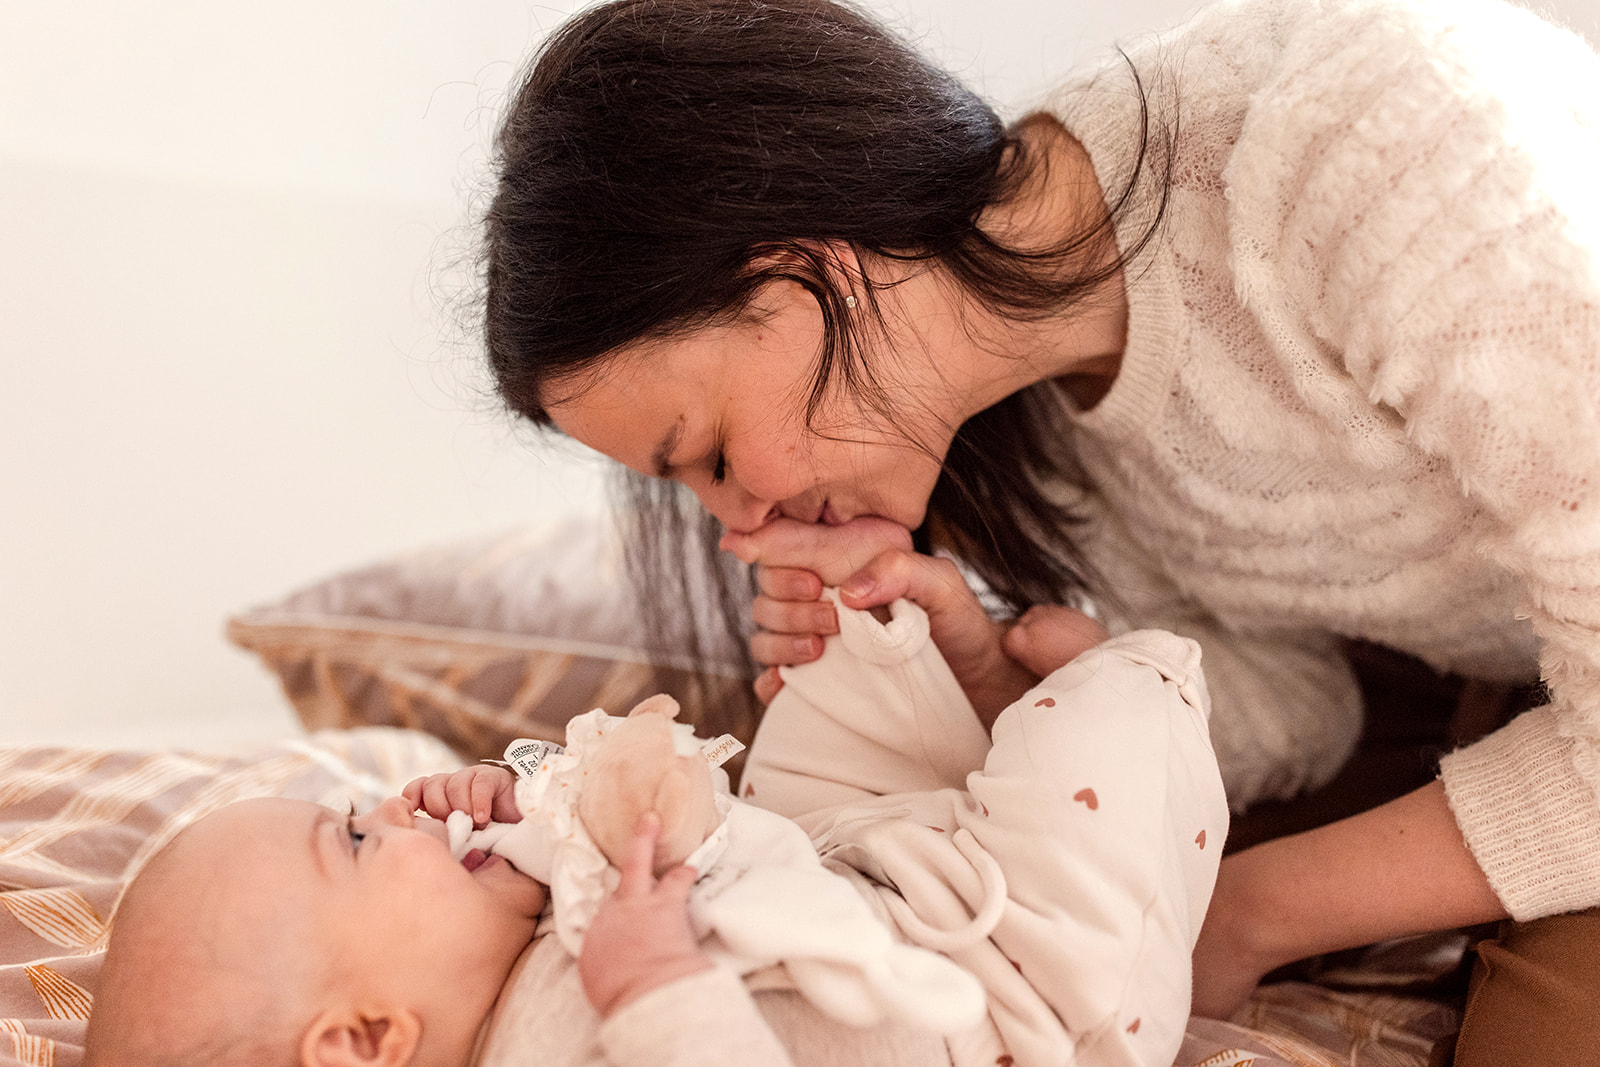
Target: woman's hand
point(871, 562)
point(1395, 870)
point(795, 560)
point(1227, 968)
point(483, 791)
point(640, 938)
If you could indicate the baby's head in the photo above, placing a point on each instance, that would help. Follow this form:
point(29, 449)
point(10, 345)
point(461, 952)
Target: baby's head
point(281, 932)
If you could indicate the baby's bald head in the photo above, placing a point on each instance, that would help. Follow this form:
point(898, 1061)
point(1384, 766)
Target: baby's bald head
point(214, 959)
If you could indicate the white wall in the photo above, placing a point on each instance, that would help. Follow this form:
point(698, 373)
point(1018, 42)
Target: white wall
point(230, 360)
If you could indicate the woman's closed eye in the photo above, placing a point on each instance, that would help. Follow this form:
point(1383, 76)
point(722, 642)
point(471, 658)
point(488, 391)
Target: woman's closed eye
point(719, 467)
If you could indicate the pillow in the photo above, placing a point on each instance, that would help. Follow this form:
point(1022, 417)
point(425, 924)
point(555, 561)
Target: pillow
point(77, 824)
point(485, 640)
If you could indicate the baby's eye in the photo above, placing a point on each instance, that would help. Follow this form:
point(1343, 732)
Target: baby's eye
point(356, 837)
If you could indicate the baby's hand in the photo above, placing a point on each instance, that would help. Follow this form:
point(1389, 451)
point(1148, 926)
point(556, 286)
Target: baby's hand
point(640, 938)
point(483, 791)
point(994, 662)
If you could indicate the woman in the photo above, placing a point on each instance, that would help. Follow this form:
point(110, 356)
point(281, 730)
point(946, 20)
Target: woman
point(1282, 331)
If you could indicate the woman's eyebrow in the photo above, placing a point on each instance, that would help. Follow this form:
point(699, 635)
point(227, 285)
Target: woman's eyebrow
point(661, 458)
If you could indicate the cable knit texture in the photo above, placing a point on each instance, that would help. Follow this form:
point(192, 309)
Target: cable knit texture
point(1361, 391)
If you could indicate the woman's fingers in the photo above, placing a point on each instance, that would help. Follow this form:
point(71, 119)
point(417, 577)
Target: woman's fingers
point(795, 560)
point(832, 553)
point(788, 583)
point(767, 684)
point(784, 650)
point(795, 616)
point(789, 631)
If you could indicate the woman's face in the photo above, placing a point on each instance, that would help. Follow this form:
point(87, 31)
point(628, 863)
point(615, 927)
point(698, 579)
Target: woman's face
point(723, 411)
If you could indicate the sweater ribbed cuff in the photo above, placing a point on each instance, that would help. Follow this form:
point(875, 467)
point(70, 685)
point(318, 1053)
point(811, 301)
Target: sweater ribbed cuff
point(1528, 819)
point(704, 1020)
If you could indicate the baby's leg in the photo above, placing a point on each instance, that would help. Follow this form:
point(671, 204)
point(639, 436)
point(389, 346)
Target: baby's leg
point(878, 713)
point(1102, 803)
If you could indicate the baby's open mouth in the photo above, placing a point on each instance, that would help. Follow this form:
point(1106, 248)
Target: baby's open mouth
point(474, 859)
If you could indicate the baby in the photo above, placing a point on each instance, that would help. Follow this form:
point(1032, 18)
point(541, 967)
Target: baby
point(280, 932)
point(1067, 866)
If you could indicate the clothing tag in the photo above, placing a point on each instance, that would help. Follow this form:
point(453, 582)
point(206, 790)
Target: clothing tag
point(524, 754)
point(720, 750)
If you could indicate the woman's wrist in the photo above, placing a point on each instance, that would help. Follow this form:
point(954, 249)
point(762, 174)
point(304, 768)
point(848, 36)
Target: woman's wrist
point(1255, 917)
point(1398, 869)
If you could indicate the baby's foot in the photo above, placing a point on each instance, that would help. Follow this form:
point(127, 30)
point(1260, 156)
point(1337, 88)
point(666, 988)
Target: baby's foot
point(1050, 636)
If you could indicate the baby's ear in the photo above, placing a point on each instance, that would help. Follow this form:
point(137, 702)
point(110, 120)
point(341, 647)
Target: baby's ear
point(348, 1038)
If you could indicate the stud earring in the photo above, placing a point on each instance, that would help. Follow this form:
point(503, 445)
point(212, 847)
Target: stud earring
point(850, 301)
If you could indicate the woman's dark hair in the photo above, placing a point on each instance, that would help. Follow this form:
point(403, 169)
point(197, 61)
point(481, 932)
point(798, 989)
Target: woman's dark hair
point(657, 152)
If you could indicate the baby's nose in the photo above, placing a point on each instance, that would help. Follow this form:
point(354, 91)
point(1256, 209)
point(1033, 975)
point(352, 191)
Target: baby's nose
point(396, 811)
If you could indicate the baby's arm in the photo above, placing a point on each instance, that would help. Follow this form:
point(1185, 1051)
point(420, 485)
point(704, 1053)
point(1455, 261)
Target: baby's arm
point(640, 938)
point(661, 1000)
point(484, 791)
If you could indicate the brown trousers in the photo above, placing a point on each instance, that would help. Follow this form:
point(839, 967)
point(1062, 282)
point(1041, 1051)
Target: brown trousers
point(1535, 996)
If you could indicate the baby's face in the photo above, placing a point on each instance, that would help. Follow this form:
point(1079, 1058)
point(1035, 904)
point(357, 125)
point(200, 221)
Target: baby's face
point(378, 894)
point(279, 924)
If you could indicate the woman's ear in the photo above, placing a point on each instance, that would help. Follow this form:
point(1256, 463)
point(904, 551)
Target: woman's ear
point(350, 1038)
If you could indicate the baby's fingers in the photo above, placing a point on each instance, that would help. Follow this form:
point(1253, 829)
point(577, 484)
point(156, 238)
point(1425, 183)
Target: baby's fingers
point(413, 792)
point(472, 790)
point(425, 794)
point(638, 863)
point(481, 789)
point(674, 886)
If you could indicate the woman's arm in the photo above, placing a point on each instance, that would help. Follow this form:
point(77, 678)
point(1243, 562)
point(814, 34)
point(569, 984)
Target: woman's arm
point(1398, 869)
point(1420, 183)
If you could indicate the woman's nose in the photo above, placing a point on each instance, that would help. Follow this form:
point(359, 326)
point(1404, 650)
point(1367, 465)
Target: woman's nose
point(736, 509)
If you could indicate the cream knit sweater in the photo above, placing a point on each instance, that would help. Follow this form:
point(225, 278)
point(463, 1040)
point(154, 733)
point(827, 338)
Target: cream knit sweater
point(1361, 391)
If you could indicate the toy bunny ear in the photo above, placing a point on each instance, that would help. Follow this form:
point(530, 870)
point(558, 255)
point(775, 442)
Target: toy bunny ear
point(660, 704)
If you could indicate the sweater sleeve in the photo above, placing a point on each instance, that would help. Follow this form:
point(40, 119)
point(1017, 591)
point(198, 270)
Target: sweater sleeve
point(1411, 199)
point(1286, 711)
point(706, 1020)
